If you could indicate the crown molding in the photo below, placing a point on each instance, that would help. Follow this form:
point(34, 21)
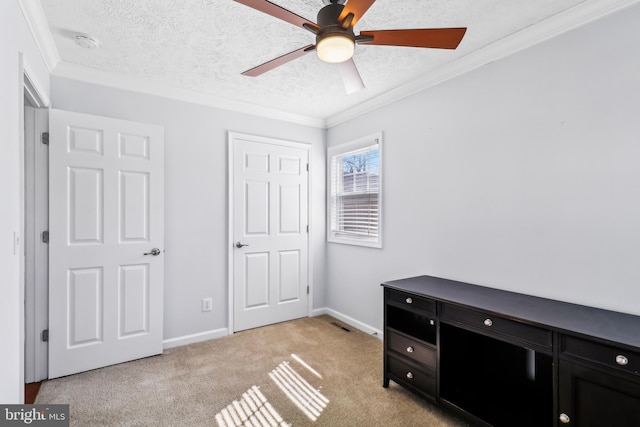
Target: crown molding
point(37, 22)
point(136, 84)
point(570, 19)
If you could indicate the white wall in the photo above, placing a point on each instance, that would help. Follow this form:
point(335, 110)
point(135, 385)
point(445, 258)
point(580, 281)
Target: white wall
point(15, 39)
point(523, 175)
point(196, 193)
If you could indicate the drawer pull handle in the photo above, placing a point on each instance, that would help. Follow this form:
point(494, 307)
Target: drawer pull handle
point(409, 349)
point(409, 375)
point(564, 419)
point(409, 301)
point(488, 322)
point(621, 360)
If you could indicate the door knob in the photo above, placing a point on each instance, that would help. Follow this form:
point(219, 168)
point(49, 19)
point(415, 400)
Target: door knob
point(154, 252)
point(240, 244)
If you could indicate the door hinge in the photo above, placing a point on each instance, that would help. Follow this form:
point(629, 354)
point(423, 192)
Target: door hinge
point(45, 138)
point(307, 228)
point(307, 289)
point(307, 167)
point(45, 335)
point(45, 237)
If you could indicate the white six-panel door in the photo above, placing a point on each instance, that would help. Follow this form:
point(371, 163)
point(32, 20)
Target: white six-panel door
point(106, 186)
point(269, 230)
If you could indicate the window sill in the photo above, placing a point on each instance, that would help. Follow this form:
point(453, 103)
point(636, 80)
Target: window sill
point(369, 243)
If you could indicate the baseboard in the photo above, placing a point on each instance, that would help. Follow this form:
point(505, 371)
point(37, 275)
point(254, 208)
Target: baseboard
point(348, 320)
point(193, 338)
point(223, 332)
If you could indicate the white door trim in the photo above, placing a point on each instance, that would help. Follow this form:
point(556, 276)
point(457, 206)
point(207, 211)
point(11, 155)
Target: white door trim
point(36, 251)
point(34, 280)
point(32, 87)
point(232, 137)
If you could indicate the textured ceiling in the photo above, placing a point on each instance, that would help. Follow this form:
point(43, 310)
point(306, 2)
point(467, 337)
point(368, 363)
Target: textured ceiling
point(204, 45)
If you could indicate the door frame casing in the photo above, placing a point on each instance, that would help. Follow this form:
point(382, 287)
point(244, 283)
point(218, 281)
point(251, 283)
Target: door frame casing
point(36, 250)
point(35, 356)
point(231, 139)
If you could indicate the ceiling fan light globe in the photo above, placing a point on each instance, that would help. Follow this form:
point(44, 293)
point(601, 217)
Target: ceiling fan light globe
point(335, 49)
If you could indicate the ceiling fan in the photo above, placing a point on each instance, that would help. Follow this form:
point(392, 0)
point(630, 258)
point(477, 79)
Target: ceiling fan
point(336, 40)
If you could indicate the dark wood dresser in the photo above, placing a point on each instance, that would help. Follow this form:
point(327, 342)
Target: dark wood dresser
point(500, 358)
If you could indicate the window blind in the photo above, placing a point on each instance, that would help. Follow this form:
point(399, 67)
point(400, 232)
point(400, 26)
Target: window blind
point(355, 192)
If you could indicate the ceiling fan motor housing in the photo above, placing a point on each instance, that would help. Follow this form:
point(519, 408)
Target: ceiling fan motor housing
point(328, 21)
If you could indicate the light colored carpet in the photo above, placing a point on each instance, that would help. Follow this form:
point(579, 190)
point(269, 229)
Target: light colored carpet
point(302, 373)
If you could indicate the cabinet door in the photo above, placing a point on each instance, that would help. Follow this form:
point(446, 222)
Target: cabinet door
point(596, 398)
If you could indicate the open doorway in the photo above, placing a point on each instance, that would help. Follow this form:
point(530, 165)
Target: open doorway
point(34, 260)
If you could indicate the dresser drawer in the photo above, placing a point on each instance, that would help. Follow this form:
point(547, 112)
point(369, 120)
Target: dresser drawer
point(408, 374)
point(603, 354)
point(412, 349)
point(412, 301)
point(499, 326)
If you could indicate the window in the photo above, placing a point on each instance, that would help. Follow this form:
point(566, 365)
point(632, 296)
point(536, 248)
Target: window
point(355, 192)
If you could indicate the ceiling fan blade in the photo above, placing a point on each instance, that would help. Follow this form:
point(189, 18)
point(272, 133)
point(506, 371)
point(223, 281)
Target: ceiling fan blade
point(437, 38)
point(357, 8)
point(281, 13)
point(268, 66)
point(350, 76)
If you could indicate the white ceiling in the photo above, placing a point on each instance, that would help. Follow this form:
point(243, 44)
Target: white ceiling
point(200, 47)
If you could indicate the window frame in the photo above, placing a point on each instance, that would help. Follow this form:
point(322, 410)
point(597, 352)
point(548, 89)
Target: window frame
point(334, 236)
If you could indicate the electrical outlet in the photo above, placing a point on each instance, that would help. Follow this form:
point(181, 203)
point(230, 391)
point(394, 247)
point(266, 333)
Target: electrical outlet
point(207, 304)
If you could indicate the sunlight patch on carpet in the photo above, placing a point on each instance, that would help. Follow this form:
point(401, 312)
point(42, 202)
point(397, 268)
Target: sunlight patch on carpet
point(253, 410)
point(303, 363)
point(299, 391)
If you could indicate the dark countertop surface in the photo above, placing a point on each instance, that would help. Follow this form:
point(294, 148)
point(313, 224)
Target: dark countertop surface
point(557, 315)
